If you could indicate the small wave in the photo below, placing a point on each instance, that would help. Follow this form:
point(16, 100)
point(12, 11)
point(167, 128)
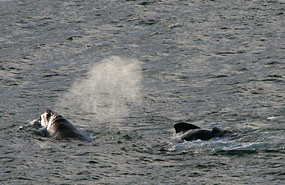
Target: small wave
point(225, 146)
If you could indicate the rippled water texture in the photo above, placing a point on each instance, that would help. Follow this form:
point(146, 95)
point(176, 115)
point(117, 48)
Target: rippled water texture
point(125, 71)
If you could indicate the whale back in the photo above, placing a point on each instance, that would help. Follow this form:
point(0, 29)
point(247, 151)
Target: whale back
point(60, 128)
point(184, 127)
point(197, 134)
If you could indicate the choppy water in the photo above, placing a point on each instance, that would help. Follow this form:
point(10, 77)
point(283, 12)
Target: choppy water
point(213, 63)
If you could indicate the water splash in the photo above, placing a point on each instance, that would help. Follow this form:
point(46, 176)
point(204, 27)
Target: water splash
point(110, 90)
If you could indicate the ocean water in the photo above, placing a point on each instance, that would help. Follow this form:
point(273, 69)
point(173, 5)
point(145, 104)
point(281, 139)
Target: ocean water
point(125, 71)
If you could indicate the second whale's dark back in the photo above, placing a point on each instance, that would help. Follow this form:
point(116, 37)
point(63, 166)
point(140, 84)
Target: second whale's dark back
point(190, 132)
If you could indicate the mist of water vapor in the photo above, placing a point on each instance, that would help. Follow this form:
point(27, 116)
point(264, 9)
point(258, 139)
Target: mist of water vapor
point(110, 90)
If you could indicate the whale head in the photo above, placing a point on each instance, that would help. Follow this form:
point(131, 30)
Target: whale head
point(217, 132)
point(45, 118)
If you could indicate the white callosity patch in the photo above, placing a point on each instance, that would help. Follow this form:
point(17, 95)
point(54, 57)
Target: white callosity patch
point(50, 121)
point(44, 121)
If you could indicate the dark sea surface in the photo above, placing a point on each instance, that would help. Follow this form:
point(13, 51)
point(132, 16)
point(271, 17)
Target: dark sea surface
point(125, 71)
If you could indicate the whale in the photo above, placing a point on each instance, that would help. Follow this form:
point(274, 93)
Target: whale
point(52, 124)
point(189, 132)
